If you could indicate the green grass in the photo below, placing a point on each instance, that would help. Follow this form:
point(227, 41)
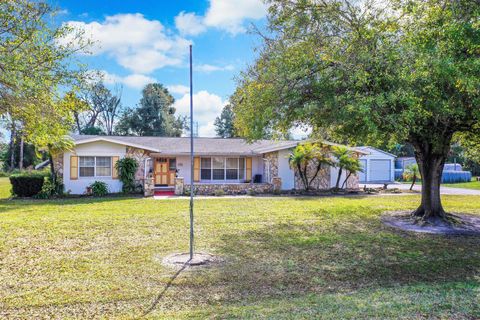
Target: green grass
point(5, 188)
point(466, 185)
point(285, 258)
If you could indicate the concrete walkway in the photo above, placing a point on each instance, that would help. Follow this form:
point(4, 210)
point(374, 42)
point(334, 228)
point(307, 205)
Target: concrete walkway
point(443, 189)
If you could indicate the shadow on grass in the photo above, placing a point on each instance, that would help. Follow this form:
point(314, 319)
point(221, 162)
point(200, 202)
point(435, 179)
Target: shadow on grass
point(340, 256)
point(12, 204)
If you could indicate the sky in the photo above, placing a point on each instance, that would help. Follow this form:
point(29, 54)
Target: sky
point(137, 42)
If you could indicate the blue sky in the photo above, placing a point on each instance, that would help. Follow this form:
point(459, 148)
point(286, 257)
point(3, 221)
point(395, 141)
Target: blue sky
point(137, 42)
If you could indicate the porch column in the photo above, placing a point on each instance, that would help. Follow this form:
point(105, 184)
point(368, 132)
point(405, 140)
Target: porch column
point(179, 186)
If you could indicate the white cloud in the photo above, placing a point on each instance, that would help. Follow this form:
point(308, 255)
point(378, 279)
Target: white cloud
point(206, 107)
point(226, 15)
point(189, 23)
point(62, 12)
point(207, 130)
point(136, 43)
point(136, 81)
point(230, 15)
point(178, 89)
point(211, 68)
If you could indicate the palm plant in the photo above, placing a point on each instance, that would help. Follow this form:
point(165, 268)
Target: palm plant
point(302, 157)
point(345, 161)
point(411, 172)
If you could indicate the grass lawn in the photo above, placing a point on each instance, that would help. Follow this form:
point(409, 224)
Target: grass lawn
point(5, 188)
point(466, 185)
point(475, 185)
point(285, 258)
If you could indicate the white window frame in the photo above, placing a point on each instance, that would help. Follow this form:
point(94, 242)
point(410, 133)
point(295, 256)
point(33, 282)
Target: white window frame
point(225, 169)
point(94, 167)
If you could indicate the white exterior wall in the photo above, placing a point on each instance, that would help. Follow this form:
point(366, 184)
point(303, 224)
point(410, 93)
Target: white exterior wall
point(377, 155)
point(99, 148)
point(285, 172)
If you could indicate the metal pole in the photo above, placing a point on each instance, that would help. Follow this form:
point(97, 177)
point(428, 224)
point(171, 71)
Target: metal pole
point(191, 156)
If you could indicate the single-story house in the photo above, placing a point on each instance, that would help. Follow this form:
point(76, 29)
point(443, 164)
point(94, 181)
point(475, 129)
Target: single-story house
point(378, 166)
point(232, 165)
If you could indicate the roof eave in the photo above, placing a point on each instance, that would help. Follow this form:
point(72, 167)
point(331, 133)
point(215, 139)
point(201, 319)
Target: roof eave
point(96, 139)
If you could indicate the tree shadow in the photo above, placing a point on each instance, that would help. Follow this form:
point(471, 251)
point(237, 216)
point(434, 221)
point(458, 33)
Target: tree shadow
point(339, 256)
point(13, 204)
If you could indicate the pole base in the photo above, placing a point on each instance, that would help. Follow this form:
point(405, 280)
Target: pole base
point(179, 260)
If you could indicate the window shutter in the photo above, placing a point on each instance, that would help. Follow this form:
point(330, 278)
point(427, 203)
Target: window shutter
point(196, 169)
point(114, 170)
point(73, 167)
point(248, 166)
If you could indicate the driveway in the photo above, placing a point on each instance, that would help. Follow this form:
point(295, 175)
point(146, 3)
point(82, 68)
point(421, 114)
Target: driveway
point(418, 188)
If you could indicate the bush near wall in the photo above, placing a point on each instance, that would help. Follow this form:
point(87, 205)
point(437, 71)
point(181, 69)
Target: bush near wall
point(27, 184)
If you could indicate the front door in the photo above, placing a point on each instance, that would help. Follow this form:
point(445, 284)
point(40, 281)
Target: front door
point(164, 171)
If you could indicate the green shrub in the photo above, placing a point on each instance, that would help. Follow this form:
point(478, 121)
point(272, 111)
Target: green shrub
point(99, 189)
point(4, 174)
point(251, 192)
point(127, 167)
point(27, 184)
point(219, 192)
point(50, 189)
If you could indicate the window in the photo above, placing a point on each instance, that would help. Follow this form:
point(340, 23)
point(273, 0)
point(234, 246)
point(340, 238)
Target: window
point(218, 171)
point(241, 168)
point(219, 168)
point(172, 165)
point(87, 167)
point(206, 169)
point(95, 166)
point(232, 168)
point(103, 167)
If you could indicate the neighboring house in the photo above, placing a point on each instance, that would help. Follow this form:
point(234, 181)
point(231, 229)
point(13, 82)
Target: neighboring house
point(452, 172)
point(232, 165)
point(378, 166)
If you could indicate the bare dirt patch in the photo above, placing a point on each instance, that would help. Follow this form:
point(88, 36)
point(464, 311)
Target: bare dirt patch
point(200, 259)
point(466, 225)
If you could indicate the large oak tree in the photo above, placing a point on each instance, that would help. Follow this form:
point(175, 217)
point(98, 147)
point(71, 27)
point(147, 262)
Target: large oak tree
point(398, 71)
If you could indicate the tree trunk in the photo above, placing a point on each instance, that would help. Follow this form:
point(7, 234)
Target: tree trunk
point(346, 179)
point(431, 167)
point(20, 158)
point(338, 178)
point(414, 179)
point(52, 169)
point(302, 175)
point(12, 148)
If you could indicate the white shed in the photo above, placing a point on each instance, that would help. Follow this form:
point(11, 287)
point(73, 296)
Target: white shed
point(378, 166)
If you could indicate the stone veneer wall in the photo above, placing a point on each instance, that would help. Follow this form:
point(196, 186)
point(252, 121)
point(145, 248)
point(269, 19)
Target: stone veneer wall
point(230, 189)
point(322, 180)
point(353, 182)
point(272, 159)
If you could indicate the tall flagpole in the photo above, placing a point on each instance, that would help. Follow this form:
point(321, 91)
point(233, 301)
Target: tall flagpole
point(191, 156)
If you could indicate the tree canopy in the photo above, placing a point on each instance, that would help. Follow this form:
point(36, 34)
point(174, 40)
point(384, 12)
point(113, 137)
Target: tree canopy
point(398, 71)
point(154, 116)
point(36, 62)
point(224, 126)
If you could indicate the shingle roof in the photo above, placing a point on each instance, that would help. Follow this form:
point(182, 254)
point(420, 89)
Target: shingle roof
point(181, 145)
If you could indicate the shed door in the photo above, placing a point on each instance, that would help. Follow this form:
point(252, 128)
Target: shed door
point(379, 170)
point(363, 175)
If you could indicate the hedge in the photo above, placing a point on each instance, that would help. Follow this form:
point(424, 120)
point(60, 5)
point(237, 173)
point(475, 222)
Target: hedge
point(27, 184)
